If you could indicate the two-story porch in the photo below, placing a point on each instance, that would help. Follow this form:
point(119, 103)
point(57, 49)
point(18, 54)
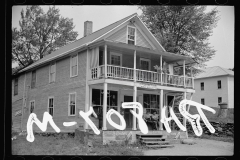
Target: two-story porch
point(130, 76)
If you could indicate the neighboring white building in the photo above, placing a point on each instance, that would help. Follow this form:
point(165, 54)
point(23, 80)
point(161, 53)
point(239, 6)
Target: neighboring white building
point(214, 85)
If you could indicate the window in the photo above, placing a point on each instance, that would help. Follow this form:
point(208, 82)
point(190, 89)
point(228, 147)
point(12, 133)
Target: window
point(116, 59)
point(131, 35)
point(33, 82)
point(32, 106)
point(203, 101)
point(15, 86)
point(97, 98)
point(74, 66)
point(52, 73)
point(145, 64)
point(50, 105)
point(219, 99)
point(150, 103)
point(72, 104)
point(219, 84)
point(202, 86)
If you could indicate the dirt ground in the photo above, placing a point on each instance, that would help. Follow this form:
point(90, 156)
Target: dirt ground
point(203, 147)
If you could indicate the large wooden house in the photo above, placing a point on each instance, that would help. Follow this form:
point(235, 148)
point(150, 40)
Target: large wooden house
point(102, 69)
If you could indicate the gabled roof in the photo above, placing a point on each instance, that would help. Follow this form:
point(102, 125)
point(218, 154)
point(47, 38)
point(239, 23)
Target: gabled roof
point(79, 43)
point(99, 35)
point(214, 71)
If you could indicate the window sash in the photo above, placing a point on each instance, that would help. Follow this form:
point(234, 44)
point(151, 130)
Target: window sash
point(202, 86)
point(131, 35)
point(32, 107)
point(219, 85)
point(50, 106)
point(74, 66)
point(115, 60)
point(33, 83)
point(72, 104)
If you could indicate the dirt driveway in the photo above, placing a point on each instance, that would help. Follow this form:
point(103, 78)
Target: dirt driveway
point(203, 147)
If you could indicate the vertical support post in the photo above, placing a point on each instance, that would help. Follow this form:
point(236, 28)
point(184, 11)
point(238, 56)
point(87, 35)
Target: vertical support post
point(134, 109)
point(135, 61)
point(192, 77)
point(105, 60)
point(119, 102)
point(161, 106)
point(188, 112)
point(161, 70)
point(184, 78)
point(105, 106)
point(184, 119)
point(87, 90)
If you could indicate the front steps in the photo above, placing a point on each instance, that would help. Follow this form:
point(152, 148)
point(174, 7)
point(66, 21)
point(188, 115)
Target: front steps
point(153, 140)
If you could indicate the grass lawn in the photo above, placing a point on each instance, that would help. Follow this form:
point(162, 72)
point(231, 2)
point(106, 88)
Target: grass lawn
point(66, 145)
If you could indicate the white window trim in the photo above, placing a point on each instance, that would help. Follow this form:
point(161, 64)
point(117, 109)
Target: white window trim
point(201, 86)
point(135, 34)
point(71, 66)
point(220, 83)
point(50, 72)
point(69, 103)
point(48, 105)
point(35, 79)
point(116, 54)
point(30, 105)
point(145, 59)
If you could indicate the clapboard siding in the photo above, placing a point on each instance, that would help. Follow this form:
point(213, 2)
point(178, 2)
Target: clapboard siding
point(60, 90)
point(16, 119)
point(141, 41)
point(119, 36)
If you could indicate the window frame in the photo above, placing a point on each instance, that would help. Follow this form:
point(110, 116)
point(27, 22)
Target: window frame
point(15, 91)
point(54, 79)
point(218, 99)
point(201, 86)
point(51, 97)
point(220, 84)
point(32, 87)
point(148, 60)
point(135, 37)
point(71, 57)
point(203, 101)
point(30, 106)
point(115, 54)
point(69, 95)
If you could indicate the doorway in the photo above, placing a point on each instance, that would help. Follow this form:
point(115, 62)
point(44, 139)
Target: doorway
point(127, 114)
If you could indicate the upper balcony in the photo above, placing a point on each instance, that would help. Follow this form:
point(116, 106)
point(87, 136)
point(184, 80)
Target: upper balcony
point(123, 64)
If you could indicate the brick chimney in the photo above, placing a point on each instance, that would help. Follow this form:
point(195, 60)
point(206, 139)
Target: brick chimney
point(87, 28)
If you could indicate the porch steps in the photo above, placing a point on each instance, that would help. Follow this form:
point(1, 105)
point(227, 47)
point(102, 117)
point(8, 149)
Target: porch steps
point(154, 140)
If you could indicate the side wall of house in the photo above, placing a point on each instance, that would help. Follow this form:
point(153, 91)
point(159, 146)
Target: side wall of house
point(231, 92)
point(17, 102)
point(211, 91)
point(60, 90)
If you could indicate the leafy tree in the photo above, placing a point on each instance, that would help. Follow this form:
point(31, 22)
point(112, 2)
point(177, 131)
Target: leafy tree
point(182, 29)
point(40, 34)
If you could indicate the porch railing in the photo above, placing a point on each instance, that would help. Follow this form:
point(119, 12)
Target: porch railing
point(119, 72)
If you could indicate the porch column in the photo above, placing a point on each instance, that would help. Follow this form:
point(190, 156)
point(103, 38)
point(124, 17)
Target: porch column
point(161, 69)
point(184, 119)
point(134, 67)
point(161, 106)
point(105, 60)
point(188, 110)
point(134, 90)
point(134, 109)
point(184, 79)
point(192, 78)
point(87, 89)
point(105, 106)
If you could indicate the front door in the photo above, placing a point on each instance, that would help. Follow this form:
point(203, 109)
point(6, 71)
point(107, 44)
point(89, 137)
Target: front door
point(127, 114)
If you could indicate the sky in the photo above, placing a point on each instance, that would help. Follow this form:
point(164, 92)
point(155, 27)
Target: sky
point(222, 39)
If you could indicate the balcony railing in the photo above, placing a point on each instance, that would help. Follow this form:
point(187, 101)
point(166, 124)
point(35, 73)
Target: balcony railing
point(125, 73)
